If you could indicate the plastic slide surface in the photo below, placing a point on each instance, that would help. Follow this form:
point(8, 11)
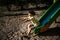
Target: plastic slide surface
point(48, 16)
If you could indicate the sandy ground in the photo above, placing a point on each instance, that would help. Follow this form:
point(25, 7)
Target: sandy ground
point(15, 28)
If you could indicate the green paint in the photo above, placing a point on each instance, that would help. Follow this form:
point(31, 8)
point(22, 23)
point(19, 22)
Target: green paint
point(52, 18)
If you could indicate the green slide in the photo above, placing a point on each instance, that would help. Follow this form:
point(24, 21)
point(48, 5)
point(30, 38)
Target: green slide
point(48, 16)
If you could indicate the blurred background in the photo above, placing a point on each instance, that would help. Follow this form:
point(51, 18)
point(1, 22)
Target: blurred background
point(13, 16)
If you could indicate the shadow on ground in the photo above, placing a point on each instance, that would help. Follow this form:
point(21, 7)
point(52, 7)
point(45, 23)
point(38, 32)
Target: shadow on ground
point(51, 32)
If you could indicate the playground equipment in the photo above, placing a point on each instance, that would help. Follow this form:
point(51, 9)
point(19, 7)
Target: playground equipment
point(48, 17)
